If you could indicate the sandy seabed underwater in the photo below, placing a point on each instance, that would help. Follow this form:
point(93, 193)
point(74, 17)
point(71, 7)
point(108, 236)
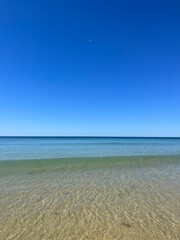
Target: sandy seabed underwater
point(134, 197)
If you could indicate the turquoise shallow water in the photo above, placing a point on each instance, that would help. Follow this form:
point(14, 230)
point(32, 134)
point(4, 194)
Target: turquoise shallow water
point(89, 188)
point(13, 148)
point(107, 198)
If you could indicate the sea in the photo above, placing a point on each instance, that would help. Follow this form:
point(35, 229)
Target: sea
point(21, 148)
point(96, 188)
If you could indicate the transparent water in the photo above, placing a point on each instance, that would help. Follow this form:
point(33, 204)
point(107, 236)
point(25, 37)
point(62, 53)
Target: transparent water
point(89, 188)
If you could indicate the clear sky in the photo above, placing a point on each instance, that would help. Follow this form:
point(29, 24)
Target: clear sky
point(90, 67)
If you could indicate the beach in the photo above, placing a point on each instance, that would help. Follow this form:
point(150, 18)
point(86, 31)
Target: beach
point(130, 197)
point(89, 120)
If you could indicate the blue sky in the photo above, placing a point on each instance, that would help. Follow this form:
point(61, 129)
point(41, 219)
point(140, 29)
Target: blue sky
point(90, 68)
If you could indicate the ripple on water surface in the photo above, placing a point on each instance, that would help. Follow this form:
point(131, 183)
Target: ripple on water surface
point(91, 198)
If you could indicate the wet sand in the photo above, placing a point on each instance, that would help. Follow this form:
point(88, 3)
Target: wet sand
point(90, 198)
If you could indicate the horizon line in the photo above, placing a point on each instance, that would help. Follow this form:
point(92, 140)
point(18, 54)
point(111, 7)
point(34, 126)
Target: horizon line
point(85, 136)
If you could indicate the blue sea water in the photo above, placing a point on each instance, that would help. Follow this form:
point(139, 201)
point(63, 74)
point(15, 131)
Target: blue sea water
point(124, 197)
point(16, 148)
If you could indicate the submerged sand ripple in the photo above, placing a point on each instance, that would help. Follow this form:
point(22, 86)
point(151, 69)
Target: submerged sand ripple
point(112, 198)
